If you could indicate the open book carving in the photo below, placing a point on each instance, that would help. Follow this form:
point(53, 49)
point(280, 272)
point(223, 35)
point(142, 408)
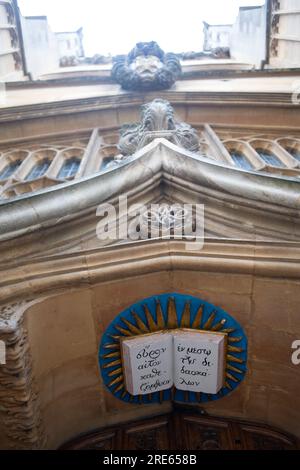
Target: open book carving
point(188, 359)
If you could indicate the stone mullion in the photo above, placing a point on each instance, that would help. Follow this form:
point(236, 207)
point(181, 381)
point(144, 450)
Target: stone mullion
point(89, 163)
point(219, 150)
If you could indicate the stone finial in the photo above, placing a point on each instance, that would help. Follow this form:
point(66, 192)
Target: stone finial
point(147, 67)
point(157, 120)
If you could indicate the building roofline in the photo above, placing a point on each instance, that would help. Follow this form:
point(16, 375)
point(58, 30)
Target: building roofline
point(253, 7)
point(77, 31)
point(209, 24)
point(41, 17)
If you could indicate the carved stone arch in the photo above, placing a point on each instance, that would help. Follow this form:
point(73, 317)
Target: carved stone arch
point(272, 147)
point(290, 145)
point(245, 149)
point(34, 158)
point(63, 156)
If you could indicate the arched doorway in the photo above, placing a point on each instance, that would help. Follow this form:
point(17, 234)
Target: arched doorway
point(183, 430)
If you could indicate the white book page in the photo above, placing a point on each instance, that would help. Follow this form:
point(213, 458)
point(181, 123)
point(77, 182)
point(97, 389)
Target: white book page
point(199, 361)
point(148, 363)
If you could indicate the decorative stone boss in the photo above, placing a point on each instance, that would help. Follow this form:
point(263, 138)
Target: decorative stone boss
point(147, 67)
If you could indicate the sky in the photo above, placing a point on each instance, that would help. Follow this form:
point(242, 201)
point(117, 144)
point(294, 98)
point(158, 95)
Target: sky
point(115, 26)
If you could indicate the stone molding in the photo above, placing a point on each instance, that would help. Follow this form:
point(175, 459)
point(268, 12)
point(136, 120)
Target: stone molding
point(192, 98)
point(72, 271)
point(19, 403)
point(159, 160)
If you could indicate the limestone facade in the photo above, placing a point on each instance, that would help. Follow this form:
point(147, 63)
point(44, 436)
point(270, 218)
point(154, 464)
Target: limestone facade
point(11, 52)
point(60, 286)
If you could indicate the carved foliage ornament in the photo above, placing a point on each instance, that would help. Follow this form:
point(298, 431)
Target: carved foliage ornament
point(157, 120)
point(146, 67)
point(164, 313)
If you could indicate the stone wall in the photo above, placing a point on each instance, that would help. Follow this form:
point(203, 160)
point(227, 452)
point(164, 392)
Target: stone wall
point(65, 331)
point(248, 36)
point(40, 44)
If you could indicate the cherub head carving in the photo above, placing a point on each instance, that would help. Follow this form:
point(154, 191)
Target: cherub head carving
point(146, 68)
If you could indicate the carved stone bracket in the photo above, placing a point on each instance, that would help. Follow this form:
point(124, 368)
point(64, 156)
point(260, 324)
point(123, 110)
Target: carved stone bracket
point(19, 402)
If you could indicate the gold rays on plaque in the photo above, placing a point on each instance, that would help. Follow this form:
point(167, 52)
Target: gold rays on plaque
point(172, 322)
point(198, 318)
point(134, 325)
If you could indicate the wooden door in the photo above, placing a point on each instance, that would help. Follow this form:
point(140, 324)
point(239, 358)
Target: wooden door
point(151, 435)
point(185, 431)
point(202, 433)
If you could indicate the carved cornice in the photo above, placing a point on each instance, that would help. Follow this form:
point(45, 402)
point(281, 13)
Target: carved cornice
point(189, 72)
point(190, 98)
point(18, 397)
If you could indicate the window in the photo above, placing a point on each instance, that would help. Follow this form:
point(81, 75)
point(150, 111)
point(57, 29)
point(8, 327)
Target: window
point(269, 158)
point(294, 152)
point(39, 169)
point(106, 162)
point(69, 168)
point(240, 160)
point(10, 169)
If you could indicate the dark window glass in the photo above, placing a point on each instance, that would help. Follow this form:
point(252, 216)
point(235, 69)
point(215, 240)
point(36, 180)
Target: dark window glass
point(106, 162)
point(39, 169)
point(240, 160)
point(69, 168)
point(294, 152)
point(10, 169)
point(269, 158)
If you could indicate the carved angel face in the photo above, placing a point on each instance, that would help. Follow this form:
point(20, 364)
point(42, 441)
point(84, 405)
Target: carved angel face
point(146, 67)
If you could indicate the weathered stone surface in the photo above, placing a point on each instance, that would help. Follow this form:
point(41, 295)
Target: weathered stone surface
point(146, 67)
point(19, 401)
point(157, 120)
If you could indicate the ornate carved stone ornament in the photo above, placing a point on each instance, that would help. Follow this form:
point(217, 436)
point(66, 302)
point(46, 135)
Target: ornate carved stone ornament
point(164, 314)
point(19, 402)
point(157, 120)
point(147, 67)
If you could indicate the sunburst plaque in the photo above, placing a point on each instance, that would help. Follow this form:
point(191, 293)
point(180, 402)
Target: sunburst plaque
point(171, 313)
